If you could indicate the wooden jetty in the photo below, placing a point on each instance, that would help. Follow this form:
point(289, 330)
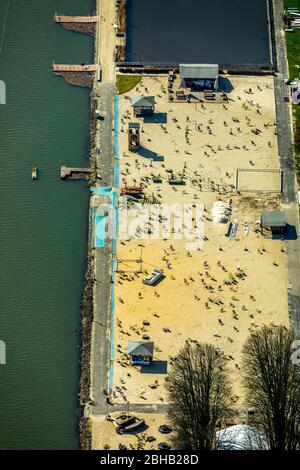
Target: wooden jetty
point(75, 173)
point(78, 75)
point(80, 24)
point(75, 19)
point(62, 68)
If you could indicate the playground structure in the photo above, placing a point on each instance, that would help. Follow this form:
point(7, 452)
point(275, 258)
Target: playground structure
point(133, 136)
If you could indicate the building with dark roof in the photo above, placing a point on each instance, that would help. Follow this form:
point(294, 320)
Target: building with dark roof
point(140, 352)
point(143, 105)
point(274, 220)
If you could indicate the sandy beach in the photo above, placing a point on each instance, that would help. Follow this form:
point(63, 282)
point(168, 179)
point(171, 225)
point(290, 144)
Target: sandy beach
point(220, 292)
point(197, 299)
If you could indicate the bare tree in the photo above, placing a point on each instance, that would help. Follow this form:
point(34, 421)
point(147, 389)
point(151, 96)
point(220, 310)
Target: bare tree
point(199, 395)
point(272, 385)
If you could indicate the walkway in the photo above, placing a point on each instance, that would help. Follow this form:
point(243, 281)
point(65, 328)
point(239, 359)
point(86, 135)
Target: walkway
point(159, 408)
point(75, 19)
point(74, 68)
point(100, 353)
point(107, 39)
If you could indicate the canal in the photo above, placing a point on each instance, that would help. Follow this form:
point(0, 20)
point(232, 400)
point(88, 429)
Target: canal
point(43, 228)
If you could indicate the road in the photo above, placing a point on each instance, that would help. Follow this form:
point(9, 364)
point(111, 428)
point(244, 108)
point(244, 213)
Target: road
point(287, 161)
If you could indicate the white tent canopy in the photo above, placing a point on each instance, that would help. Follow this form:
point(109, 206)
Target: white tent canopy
point(241, 437)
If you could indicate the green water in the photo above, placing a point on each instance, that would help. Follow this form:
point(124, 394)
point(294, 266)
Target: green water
point(43, 227)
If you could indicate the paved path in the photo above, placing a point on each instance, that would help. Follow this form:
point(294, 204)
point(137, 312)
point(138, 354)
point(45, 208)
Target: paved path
point(74, 68)
point(104, 92)
point(100, 352)
point(159, 408)
point(107, 39)
point(286, 152)
point(75, 19)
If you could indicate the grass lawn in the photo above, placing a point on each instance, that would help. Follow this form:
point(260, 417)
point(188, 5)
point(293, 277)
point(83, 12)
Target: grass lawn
point(296, 113)
point(293, 52)
point(127, 82)
point(293, 44)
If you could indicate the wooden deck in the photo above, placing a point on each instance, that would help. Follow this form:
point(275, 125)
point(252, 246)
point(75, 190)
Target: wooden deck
point(74, 68)
point(75, 19)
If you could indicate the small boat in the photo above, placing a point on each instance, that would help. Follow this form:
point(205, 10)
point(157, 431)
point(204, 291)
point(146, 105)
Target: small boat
point(34, 172)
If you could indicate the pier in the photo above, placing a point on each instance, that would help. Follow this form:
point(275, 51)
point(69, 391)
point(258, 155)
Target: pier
point(75, 19)
point(61, 68)
point(75, 173)
point(79, 75)
point(80, 24)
